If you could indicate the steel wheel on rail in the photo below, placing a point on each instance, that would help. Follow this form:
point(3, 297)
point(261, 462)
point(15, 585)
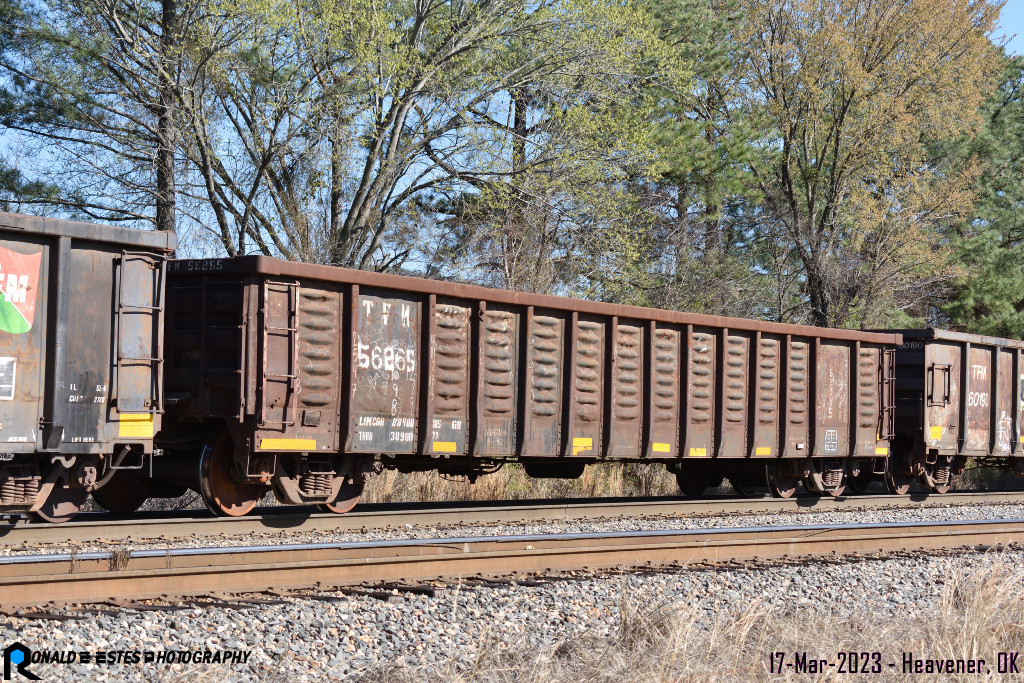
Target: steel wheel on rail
point(693, 484)
point(125, 492)
point(223, 494)
point(63, 503)
point(782, 480)
point(860, 483)
point(896, 482)
point(745, 488)
point(346, 499)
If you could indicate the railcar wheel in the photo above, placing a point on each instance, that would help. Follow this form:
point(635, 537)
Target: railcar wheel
point(61, 505)
point(837, 491)
point(745, 488)
point(860, 483)
point(124, 493)
point(347, 498)
point(896, 483)
point(692, 484)
point(223, 495)
point(781, 481)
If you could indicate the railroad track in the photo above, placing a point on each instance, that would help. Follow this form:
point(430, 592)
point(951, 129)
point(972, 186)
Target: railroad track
point(18, 530)
point(102, 576)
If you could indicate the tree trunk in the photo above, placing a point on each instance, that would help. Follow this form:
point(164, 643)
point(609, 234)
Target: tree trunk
point(166, 132)
point(341, 242)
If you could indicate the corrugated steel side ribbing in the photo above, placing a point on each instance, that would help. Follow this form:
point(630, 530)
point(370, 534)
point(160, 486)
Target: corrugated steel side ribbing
point(313, 358)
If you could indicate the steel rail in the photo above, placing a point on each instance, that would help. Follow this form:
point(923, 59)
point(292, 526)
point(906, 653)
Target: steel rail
point(147, 574)
point(271, 520)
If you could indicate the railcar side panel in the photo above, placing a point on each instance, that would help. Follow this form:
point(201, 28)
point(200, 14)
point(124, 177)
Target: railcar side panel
point(798, 402)
point(699, 436)
point(1004, 405)
point(372, 364)
point(497, 367)
point(831, 430)
point(767, 394)
point(543, 378)
point(24, 327)
point(734, 396)
point(583, 416)
point(942, 396)
point(959, 394)
point(979, 400)
point(448, 384)
point(868, 407)
point(296, 354)
point(627, 389)
point(386, 360)
point(665, 367)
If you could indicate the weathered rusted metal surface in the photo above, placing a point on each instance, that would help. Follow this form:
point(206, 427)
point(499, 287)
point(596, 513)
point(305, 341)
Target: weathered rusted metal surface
point(81, 320)
point(433, 369)
point(386, 359)
point(959, 394)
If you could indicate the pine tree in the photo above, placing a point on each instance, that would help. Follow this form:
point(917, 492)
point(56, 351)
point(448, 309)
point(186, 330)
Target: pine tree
point(989, 297)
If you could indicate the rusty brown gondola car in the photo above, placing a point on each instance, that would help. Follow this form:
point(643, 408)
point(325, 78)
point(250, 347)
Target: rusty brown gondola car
point(957, 396)
point(80, 360)
point(301, 378)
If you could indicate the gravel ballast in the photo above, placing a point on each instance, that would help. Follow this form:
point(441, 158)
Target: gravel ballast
point(345, 637)
point(624, 524)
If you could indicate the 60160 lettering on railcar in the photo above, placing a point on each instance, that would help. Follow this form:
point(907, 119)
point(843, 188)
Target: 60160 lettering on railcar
point(235, 377)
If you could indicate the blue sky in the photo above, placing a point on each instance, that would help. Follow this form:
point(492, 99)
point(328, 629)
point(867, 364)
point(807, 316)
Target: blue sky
point(1012, 22)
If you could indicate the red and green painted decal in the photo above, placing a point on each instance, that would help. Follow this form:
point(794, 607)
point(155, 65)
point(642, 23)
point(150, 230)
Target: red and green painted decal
point(19, 281)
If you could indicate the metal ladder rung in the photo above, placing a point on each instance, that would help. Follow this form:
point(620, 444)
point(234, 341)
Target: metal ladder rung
point(156, 263)
point(290, 332)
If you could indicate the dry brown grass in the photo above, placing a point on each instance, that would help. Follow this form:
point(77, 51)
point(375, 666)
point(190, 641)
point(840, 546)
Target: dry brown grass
point(508, 483)
point(977, 616)
point(512, 483)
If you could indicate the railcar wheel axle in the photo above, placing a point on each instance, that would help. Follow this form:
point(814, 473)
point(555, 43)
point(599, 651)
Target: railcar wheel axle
point(346, 499)
point(897, 483)
point(782, 479)
point(692, 484)
point(63, 503)
point(124, 493)
point(860, 482)
point(222, 493)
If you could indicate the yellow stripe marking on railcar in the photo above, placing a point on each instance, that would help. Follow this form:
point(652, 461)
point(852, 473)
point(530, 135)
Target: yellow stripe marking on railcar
point(661, 448)
point(698, 452)
point(287, 444)
point(880, 450)
point(763, 450)
point(935, 432)
point(444, 447)
point(580, 444)
point(135, 426)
